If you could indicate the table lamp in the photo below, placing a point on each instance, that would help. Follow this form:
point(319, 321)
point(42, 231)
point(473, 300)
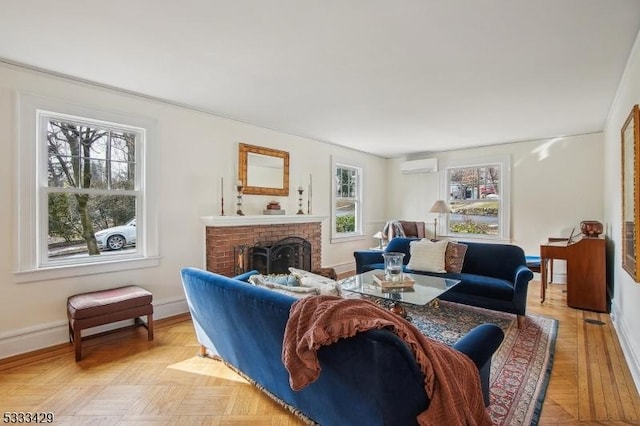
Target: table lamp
point(378, 236)
point(440, 206)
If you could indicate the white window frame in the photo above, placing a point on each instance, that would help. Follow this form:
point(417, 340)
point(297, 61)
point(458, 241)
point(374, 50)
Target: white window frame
point(504, 212)
point(31, 216)
point(358, 233)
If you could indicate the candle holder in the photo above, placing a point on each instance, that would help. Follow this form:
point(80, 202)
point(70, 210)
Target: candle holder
point(300, 191)
point(239, 212)
point(221, 196)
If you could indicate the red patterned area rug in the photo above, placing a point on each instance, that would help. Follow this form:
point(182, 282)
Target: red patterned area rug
point(521, 366)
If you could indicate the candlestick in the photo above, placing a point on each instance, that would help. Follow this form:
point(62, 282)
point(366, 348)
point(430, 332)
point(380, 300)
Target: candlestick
point(222, 196)
point(300, 191)
point(309, 196)
point(239, 187)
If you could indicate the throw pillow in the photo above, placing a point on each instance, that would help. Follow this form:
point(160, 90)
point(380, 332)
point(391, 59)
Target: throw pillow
point(281, 279)
point(427, 256)
point(323, 284)
point(299, 273)
point(291, 290)
point(454, 257)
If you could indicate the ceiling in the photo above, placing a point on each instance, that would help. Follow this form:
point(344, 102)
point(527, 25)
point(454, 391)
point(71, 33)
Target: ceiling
point(388, 77)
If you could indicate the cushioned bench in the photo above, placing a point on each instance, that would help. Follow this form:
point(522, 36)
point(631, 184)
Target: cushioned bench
point(96, 308)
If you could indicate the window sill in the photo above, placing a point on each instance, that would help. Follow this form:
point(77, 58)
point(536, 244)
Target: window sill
point(58, 272)
point(347, 238)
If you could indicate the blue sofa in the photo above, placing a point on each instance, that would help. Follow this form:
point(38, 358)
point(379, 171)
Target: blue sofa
point(494, 276)
point(369, 379)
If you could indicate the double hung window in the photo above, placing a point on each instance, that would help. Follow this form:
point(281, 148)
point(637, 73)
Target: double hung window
point(477, 195)
point(347, 203)
point(83, 191)
point(91, 191)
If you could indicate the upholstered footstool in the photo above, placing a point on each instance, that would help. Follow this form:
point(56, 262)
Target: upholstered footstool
point(96, 308)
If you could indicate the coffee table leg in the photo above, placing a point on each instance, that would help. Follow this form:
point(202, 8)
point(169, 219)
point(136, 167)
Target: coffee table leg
point(397, 308)
point(435, 303)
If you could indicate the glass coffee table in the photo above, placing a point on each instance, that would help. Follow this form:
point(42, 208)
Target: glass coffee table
point(426, 289)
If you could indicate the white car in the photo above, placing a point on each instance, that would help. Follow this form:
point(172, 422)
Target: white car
point(117, 237)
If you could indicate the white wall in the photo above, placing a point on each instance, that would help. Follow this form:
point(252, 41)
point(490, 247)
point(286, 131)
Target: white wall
point(194, 151)
point(625, 312)
point(555, 184)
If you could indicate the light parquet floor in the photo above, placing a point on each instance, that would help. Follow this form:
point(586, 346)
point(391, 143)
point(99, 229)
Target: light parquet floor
point(125, 380)
point(590, 382)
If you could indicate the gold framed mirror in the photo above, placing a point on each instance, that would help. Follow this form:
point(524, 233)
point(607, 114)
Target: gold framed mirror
point(630, 137)
point(263, 171)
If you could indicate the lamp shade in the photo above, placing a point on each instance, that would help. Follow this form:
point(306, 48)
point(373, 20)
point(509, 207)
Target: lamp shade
point(440, 206)
point(378, 235)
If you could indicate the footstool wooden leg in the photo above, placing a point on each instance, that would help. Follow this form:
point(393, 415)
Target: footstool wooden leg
point(150, 327)
point(77, 341)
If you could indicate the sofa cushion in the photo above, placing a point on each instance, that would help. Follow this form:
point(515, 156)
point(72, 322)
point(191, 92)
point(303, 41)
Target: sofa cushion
point(454, 256)
point(323, 284)
point(494, 260)
point(479, 285)
point(428, 256)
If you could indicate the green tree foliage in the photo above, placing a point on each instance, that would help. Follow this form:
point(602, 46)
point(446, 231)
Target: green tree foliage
point(470, 227)
point(481, 208)
point(61, 224)
point(346, 223)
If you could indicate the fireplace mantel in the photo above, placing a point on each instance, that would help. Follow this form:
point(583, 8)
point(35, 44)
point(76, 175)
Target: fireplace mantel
point(260, 219)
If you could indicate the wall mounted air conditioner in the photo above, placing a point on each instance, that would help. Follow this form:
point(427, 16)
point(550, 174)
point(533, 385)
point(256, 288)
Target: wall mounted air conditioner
point(426, 165)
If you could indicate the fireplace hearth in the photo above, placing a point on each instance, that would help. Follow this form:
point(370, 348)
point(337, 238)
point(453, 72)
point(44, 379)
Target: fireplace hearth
point(277, 257)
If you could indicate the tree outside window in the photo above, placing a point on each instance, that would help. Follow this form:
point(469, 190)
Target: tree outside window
point(475, 199)
point(90, 187)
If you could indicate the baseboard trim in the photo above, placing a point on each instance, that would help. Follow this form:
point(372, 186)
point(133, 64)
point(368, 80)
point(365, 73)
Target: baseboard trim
point(42, 336)
point(631, 354)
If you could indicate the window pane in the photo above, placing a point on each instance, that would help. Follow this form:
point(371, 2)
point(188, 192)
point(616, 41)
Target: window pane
point(345, 216)
point(60, 171)
point(122, 176)
point(123, 147)
point(475, 200)
point(98, 146)
point(103, 212)
point(89, 157)
point(97, 174)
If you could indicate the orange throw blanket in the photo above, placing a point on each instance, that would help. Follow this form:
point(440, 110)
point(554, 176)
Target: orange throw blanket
point(451, 380)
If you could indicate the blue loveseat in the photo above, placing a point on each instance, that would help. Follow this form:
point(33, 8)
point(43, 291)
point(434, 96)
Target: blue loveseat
point(369, 379)
point(494, 276)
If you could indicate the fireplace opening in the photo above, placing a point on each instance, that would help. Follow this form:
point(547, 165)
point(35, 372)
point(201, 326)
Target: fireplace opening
point(277, 257)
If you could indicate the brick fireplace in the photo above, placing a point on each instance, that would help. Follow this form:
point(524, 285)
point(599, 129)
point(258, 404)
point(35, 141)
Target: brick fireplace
point(224, 234)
